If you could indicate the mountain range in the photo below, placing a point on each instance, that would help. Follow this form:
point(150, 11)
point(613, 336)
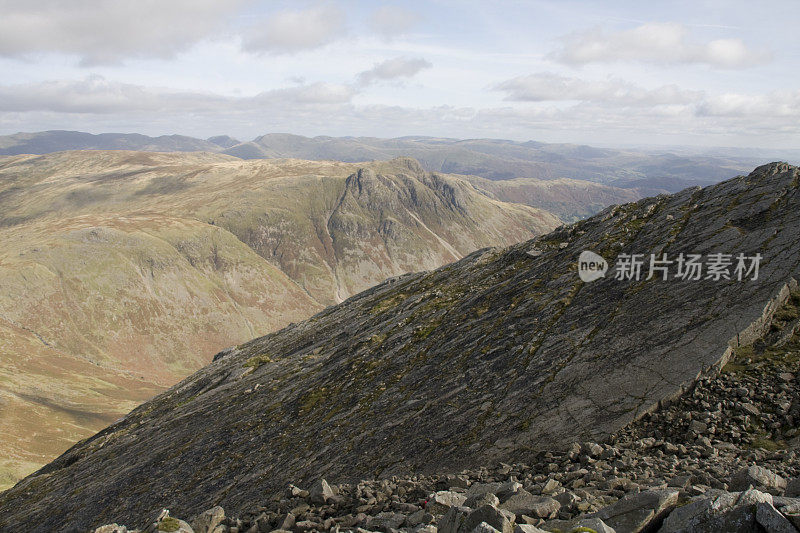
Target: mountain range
point(587, 176)
point(122, 272)
point(493, 358)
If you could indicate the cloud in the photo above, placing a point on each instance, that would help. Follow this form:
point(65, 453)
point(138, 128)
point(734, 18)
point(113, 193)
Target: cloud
point(546, 86)
point(774, 104)
point(108, 31)
point(97, 104)
point(392, 21)
point(665, 43)
point(296, 30)
point(399, 67)
point(96, 95)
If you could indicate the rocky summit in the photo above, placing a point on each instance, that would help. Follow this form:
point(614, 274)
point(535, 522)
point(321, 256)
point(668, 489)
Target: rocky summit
point(612, 405)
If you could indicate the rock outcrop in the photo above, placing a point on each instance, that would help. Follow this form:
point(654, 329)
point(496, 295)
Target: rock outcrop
point(501, 356)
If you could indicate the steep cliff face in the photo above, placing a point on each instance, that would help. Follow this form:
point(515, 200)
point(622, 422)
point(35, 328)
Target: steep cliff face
point(135, 268)
point(502, 353)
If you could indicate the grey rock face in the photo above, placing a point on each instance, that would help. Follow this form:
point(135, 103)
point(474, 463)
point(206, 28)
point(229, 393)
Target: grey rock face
point(496, 518)
point(758, 477)
point(208, 520)
point(483, 527)
point(793, 488)
point(111, 528)
point(428, 371)
point(726, 512)
point(524, 503)
point(638, 512)
point(442, 501)
point(320, 492)
point(772, 521)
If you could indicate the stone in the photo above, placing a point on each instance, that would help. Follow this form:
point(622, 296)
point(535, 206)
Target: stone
point(486, 498)
point(493, 516)
point(111, 528)
point(453, 520)
point(592, 449)
point(591, 524)
point(759, 478)
point(208, 520)
point(527, 528)
point(792, 487)
point(638, 512)
point(320, 492)
point(170, 524)
point(483, 488)
point(506, 490)
point(457, 482)
point(751, 409)
point(728, 511)
point(551, 486)
point(419, 517)
point(307, 525)
point(679, 482)
point(566, 499)
point(483, 527)
point(595, 524)
point(526, 503)
point(386, 521)
point(287, 522)
point(441, 502)
point(772, 520)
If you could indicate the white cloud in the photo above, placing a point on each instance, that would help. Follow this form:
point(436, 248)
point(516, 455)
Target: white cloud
point(774, 104)
point(295, 31)
point(658, 43)
point(97, 104)
point(108, 31)
point(96, 95)
point(546, 86)
point(399, 67)
point(392, 21)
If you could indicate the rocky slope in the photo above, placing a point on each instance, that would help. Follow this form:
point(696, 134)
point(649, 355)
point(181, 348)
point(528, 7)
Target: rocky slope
point(490, 359)
point(728, 432)
point(123, 272)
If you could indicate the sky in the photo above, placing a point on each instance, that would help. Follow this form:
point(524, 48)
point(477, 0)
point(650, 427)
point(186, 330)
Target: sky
point(615, 73)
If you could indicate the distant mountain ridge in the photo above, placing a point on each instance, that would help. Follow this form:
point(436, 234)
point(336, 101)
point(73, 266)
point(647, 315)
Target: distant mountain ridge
point(589, 178)
point(494, 159)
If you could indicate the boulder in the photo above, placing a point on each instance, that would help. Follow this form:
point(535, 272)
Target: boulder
point(523, 502)
point(208, 520)
point(320, 492)
point(453, 520)
point(385, 521)
point(793, 488)
point(759, 478)
point(638, 512)
point(728, 511)
point(441, 502)
point(486, 498)
point(584, 524)
point(483, 527)
point(772, 520)
point(497, 518)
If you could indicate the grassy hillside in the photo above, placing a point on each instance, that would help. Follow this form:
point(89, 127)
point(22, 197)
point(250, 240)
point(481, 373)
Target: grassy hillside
point(122, 272)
